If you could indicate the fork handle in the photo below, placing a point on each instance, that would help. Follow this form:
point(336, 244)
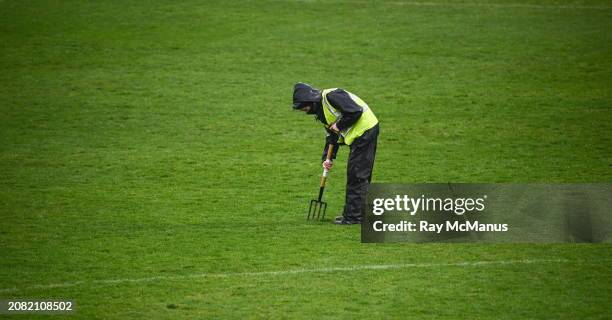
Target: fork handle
point(330, 151)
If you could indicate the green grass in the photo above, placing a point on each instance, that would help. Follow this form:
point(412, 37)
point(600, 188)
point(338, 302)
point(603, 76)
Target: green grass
point(156, 139)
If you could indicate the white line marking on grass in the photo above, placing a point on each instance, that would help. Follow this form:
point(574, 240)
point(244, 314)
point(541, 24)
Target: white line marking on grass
point(467, 4)
point(296, 271)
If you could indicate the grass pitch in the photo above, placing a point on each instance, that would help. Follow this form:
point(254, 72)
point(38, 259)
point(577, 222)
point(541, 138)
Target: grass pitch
point(150, 166)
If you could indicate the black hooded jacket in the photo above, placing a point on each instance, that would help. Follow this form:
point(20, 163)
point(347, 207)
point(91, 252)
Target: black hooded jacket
point(339, 99)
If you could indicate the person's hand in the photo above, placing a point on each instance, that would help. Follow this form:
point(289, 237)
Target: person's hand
point(334, 128)
point(327, 164)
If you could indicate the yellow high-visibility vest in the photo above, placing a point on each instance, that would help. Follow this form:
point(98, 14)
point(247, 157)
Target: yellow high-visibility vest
point(367, 120)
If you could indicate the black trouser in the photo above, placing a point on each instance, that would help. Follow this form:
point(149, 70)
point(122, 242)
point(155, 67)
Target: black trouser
point(359, 173)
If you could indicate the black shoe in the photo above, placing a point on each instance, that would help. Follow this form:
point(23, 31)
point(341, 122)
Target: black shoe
point(346, 221)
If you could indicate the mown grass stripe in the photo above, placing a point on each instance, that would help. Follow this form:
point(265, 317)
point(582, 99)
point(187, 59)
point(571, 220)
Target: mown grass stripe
point(471, 4)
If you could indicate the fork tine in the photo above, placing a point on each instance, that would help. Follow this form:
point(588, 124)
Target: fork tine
point(310, 210)
point(324, 205)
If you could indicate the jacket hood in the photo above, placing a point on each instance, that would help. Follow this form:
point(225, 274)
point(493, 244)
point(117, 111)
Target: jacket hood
point(303, 92)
